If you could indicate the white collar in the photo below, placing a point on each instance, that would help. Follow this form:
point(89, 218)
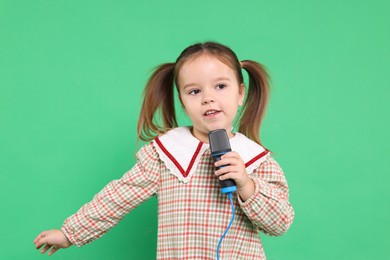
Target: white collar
point(181, 152)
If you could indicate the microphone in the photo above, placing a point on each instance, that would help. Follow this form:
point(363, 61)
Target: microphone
point(219, 145)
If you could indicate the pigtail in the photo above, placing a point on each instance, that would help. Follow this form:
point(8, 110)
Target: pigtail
point(158, 98)
point(256, 102)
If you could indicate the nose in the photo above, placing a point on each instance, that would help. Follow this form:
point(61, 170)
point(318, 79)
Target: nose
point(207, 99)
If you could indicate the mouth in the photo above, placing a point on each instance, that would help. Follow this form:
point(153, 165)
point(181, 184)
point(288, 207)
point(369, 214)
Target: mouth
point(211, 113)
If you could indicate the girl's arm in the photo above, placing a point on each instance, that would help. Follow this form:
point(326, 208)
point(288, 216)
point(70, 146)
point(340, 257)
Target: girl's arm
point(269, 208)
point(262, 195)
point(116, 199)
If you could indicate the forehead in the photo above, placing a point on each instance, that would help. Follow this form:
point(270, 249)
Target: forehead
point(202, 66)
point(207, 58)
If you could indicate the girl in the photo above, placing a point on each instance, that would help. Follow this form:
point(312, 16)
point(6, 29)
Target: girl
point(177, 167)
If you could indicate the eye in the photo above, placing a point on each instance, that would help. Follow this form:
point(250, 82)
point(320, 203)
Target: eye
point(194, 92)
point(221, 86)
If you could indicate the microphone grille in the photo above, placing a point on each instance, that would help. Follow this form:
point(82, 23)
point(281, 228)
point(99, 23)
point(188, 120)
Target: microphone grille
point(219, 140)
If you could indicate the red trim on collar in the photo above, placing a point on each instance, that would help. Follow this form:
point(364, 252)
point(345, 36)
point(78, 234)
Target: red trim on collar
point(170, 156)
point(256, 158)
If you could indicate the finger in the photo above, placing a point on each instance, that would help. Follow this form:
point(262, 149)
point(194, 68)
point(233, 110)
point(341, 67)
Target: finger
point(228, 161)
point(53, 250)
point(39, 243)
point(38, 237)
point(226, 176)
point(230, 155)
point(225, 170)
point(45, 248)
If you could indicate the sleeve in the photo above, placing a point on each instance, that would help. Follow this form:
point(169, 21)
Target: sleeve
point(269, 208)
point(116, 199)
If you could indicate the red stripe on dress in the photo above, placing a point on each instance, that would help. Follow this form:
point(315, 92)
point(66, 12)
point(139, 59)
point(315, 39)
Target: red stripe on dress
point(176, 163)
point(256, 158)
point(193, 158)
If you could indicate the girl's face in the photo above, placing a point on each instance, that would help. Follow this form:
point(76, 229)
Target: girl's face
point(210, 94)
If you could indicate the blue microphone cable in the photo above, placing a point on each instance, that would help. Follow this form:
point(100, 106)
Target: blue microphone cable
point(230, 195)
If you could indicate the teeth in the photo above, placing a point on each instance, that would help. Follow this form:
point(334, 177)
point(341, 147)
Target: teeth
point(210, 112)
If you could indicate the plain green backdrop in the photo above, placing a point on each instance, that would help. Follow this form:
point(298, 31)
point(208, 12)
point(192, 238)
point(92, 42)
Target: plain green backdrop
point(71, 79)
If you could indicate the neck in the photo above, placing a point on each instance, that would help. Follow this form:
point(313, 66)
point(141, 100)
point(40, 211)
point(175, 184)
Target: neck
point(204, 138)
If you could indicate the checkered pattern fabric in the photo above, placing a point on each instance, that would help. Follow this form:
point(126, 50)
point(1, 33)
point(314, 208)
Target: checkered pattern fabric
point(192, 216)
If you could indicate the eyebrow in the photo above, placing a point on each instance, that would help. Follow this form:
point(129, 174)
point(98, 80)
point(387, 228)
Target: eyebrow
point(195, 84)
point(222, 78)
point(189, 85)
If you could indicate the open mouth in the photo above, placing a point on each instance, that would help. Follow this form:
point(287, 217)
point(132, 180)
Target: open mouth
point(210, 113)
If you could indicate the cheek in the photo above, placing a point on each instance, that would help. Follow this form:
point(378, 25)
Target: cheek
point(183, 104)
point(186, 106)
point(181, 101)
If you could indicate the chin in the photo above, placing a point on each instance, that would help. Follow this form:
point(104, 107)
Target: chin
point(219, 127)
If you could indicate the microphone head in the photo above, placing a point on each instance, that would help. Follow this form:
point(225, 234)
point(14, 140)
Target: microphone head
point(219, 141)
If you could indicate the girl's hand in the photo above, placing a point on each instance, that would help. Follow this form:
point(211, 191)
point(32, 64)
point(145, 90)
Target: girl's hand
point(235, 170)
point(53, 240)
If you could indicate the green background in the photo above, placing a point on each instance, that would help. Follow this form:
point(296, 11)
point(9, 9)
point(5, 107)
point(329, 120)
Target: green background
point(71, 78)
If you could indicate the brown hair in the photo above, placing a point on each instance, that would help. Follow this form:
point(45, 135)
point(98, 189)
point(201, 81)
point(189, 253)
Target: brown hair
point(158, 101)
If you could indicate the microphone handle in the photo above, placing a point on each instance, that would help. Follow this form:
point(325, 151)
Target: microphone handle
point(226, 185)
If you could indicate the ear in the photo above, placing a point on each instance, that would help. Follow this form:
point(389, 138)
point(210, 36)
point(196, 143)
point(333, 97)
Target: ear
point(241, 93)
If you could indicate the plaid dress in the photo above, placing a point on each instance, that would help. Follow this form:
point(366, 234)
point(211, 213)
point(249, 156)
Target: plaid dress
point(192, 212)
